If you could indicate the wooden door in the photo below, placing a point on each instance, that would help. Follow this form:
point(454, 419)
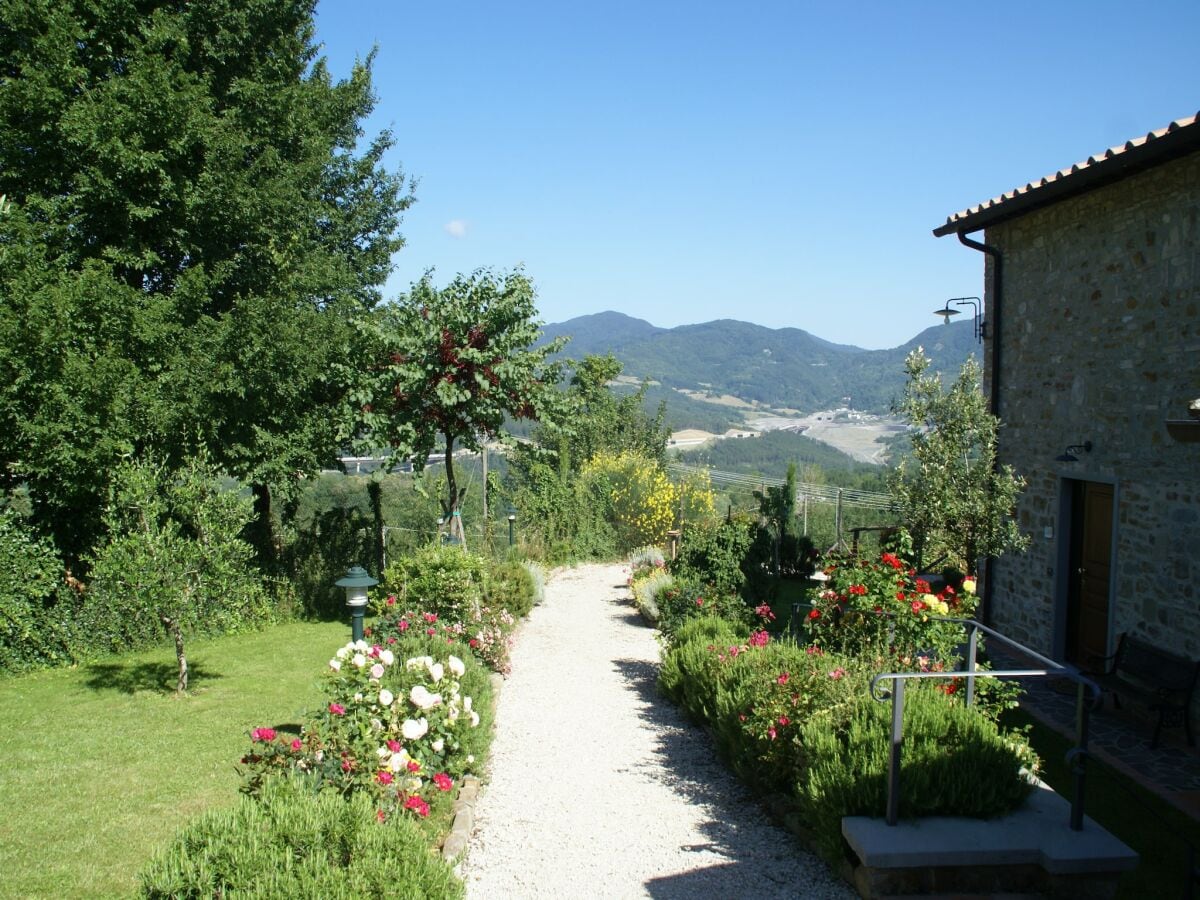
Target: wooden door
point(1090, 572)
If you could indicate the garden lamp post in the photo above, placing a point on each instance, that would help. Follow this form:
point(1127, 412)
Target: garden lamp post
point(355, 583)
point(512, 523)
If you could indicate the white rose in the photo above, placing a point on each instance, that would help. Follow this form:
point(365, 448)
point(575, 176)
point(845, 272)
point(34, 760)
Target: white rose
point(437, 672)
point(439, 745)
point(385, 697)
point(422, 699)
point(470, 758)
point(358, 698)
point(387, 657)
point(412, 785)
point(361, 645)
point(467, 703)
point(398, 762)
point(414, 729)
point(335, 664)
point(376, 725)
point(382, 752)
point(456, 666)
point(343, 652)
point(359, 660)
point(474, 719)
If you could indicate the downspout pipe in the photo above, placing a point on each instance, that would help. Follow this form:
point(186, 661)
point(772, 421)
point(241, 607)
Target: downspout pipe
point(994, 325)
point(994, 321)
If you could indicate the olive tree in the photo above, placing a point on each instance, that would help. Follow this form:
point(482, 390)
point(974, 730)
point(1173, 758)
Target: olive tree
point(953, 498)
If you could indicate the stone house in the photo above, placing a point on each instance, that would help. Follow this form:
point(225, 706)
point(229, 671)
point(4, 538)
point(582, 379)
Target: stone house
point(1091, 333)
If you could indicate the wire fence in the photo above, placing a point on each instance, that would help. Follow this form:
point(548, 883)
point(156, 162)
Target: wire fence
point(820, 493)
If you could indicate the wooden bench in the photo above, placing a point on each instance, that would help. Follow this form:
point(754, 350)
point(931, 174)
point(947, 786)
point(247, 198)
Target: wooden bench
point(1161, 680)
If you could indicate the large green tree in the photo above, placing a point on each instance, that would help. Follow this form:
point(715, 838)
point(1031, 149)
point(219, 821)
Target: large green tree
point(195, 228)
point(954, 500)
point(455, 364)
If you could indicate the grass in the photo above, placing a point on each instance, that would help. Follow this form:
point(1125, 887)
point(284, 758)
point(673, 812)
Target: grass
point(103, 763)
point(1158, 831)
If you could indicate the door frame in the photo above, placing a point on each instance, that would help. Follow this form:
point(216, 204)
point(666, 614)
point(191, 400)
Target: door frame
point(1062, 587)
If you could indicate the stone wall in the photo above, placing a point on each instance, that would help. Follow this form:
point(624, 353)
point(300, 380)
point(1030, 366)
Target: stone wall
point(1101, 342)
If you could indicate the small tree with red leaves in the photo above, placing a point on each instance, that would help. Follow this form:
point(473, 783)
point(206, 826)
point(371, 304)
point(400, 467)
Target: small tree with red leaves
point(456, 362)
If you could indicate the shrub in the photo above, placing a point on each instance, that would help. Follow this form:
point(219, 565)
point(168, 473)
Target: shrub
point(487, 633)
point(399, 726)
point(293, 844)
point(640, 498)
point(956, 762)
point(510, 586)
point(712, 554)
point(647, 587)
point(538, 576)
point(882, 608)
point(799, 720)
point(441, 579)
point(684, 600)
point(36, 610)
point(174, 560)
point(687, 671)
point(646, 557)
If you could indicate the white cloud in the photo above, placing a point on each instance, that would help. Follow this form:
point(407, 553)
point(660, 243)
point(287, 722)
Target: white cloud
point(456, 228)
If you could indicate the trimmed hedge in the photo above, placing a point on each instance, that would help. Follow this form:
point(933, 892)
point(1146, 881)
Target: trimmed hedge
point(290, 843)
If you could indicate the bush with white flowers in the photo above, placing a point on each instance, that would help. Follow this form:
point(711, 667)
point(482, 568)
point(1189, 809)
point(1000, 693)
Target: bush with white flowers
point(397, 722)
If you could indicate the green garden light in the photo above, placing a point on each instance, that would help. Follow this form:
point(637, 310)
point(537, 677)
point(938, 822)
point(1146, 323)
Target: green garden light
point(355, 583)
point(512, 522)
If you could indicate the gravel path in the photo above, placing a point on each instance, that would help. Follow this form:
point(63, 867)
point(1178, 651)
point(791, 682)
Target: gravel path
point(599, 788)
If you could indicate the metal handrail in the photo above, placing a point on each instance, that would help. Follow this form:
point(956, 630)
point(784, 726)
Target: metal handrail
point(1076, 757)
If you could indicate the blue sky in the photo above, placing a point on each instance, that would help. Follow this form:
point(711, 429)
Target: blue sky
point(776, 162)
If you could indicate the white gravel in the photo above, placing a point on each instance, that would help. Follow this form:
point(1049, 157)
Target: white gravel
point(599, 787)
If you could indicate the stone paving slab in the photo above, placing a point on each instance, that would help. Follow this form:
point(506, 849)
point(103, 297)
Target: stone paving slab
point(1038, 833)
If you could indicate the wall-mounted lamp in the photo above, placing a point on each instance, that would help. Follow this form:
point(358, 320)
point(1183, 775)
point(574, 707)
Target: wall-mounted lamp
point(974, 302)
point(1068, 455)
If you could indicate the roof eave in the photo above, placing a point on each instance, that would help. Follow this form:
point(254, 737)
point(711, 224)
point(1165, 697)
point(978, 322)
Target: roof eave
point(1177, 140)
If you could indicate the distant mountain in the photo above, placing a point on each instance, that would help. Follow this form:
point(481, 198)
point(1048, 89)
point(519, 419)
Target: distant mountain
point(780, 368)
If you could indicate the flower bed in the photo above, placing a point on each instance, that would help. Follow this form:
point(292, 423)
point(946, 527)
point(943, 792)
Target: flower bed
point(797, 718)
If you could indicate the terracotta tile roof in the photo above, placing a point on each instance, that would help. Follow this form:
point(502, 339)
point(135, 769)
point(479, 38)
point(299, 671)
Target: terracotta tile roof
point(1179, 138)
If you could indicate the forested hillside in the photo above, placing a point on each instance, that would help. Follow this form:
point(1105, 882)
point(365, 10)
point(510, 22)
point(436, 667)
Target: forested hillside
point(785, 367)
point(770, 454)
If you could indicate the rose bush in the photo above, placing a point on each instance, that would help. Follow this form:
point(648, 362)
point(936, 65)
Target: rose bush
point(398, 723)
point(879, 608)
point(486, 631)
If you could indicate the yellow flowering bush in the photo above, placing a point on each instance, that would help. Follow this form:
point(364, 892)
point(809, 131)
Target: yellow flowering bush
point(697, 502)
point(642, 502)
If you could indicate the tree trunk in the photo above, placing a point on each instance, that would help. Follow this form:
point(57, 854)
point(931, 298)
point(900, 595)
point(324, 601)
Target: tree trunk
point(264, 536)
point(453, 497)
point(172, 626)
point(375, 495)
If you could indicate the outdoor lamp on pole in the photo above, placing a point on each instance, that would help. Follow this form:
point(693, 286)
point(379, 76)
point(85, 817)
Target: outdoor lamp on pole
point(355, 583)
point(512, 522)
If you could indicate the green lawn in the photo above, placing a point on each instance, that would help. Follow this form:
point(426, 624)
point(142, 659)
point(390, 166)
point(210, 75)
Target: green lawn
point(1156, 830)
point(101, 764)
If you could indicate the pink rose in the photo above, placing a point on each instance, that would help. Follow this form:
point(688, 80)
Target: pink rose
point(443, 781)
point(337, 709)
point(266, 735)
point(417, 805)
